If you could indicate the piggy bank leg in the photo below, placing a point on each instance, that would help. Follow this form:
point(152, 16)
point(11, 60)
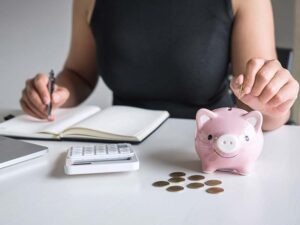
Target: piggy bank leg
point(206, 168)
point(245, 170)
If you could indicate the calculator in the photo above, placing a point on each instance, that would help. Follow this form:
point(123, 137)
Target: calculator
point(101, 158)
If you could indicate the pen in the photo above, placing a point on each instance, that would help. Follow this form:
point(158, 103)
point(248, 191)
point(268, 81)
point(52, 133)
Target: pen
point(50, 89)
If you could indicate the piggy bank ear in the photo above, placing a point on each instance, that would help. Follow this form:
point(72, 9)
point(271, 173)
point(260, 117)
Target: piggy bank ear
point(203, 116)
point(255, 118)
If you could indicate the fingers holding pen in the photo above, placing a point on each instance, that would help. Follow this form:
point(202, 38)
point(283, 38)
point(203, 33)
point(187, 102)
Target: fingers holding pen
point(29, 107)
point(32, 95)
point(41, 84)
point(36, 97)
point(41, 95)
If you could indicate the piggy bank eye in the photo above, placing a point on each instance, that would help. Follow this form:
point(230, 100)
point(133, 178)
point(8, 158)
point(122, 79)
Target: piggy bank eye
point(209, 137)
point(247, 138)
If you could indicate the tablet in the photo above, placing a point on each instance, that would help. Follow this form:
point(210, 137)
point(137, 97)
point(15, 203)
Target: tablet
point(15, 151)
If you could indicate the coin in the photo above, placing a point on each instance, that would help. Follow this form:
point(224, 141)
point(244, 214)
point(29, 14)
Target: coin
point(175, 188)
point(176, 179)
point(241, 91)
point(195, 185)
point(177, 174)
point(213, 182)
point(160, 183)
point(196, 177)
point(214, 190)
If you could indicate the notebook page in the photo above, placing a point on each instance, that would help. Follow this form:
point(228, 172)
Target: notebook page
point(23, 124)
point(121, 120)
point(64, 118)
point(68, 117)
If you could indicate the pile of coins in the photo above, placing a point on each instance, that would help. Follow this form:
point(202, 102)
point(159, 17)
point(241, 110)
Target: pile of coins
point(177, 179)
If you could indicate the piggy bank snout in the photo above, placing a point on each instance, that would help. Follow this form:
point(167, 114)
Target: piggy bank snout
point(227, 143)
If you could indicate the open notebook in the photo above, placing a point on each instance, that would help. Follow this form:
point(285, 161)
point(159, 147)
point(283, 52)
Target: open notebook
point(116, 123)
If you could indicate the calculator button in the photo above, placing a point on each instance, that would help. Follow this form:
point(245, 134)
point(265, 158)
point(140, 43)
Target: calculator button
point(112, 151)
point(124, 150)
point(112, 147)
point(101, 151)
point(123, 145)
point(88, 151)
point(75, 153)
point(100, 147)
point(88, 148)
point(77, 148)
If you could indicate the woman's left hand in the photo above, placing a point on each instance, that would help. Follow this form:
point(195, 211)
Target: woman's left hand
point(267, 87)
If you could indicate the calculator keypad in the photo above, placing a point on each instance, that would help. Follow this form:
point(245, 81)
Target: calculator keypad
point(100, 152)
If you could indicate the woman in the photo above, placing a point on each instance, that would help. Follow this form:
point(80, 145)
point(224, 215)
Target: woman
point(172, 55)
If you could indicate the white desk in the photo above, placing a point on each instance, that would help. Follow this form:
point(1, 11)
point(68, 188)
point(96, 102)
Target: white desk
point(38, 192)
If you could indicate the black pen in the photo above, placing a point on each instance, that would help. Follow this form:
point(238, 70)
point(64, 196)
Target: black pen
point(50, 89)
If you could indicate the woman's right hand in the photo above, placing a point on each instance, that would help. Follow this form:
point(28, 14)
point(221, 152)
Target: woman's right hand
point(36, 97)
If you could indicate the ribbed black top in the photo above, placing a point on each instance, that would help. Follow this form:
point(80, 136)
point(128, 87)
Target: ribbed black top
point(165, 54)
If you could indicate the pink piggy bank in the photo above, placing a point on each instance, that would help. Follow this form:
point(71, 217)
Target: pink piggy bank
point(228, 139)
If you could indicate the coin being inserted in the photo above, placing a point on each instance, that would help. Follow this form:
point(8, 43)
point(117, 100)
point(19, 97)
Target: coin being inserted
point(213, 182)
point(175, 188)
point(214, 190)
point(161, 183)
point(195, 185)
point(176, 179)
point(196, 177)
point(177, 174)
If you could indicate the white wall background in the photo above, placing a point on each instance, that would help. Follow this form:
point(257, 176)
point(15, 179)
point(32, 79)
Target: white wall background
point(35, 34)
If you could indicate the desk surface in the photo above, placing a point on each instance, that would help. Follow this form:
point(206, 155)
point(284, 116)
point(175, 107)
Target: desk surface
point(38, 192)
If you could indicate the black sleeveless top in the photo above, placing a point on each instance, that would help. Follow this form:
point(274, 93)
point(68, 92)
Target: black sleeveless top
point(165, 54)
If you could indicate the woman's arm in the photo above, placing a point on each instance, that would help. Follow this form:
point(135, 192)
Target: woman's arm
point(79, 75)
point(267, 86)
